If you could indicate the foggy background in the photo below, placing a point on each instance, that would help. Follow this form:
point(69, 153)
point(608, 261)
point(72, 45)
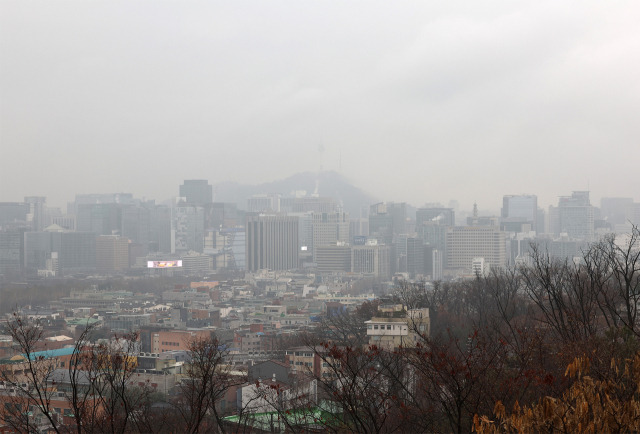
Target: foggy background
point(411, 101)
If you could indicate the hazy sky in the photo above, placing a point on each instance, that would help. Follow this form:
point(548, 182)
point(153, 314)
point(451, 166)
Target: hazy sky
point(413, 101)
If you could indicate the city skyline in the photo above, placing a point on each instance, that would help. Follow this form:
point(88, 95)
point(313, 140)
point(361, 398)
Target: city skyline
point(494, 205)
point(310, 216)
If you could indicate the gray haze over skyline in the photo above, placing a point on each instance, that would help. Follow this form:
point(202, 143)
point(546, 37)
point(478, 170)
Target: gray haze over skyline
point(412, 101)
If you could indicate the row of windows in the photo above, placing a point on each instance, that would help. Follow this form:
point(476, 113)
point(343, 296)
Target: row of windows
point(388, 327)
point(171, 344)
point(300, 353)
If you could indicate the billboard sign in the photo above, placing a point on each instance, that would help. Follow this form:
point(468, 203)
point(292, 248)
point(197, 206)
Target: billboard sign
point(164, 264)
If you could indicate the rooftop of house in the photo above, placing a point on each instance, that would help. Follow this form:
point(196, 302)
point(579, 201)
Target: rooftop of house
point(48, 354)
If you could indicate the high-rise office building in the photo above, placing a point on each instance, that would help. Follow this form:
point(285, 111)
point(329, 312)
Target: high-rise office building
point(196, 264)
point(409, 254)
point(431, 225)
point(335, 258)
point(520, 208)
point(62, 252)
point(562, 247)
point(415, 257)
point(99, 218)
point(519, 246)
point(11, 252)
point(576, 216)
point(95, 199)
point(228, 247)
point(398, 212)
point(329, 229)
point(13, 214)
point(553, 221)
point(197, 191)
point(380, 223)
point(136, 225)
point(433, 234)
point(437, 264)
point(160, 234)
point(305, 235)
point(467, 242)
point(67, 221)
point(359, 227)
point(263, 203)
point(188, 228)
point(373, 259)
point(36, 214)
point(541, 222)
point(112, 253)
point(272, 242)
point(387, 220)
point(221, 215)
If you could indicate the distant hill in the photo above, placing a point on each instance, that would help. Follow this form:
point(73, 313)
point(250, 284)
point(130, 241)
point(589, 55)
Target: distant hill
point(330, 184)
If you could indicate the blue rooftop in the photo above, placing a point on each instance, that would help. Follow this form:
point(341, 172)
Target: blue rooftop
point(48, 354)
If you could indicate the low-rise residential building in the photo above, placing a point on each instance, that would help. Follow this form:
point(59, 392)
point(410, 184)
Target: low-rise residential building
point(158, 340)
point(273, 395)
point(399, 329)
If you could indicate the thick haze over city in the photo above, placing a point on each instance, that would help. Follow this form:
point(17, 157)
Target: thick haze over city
point(319, 216)
point(411, 101)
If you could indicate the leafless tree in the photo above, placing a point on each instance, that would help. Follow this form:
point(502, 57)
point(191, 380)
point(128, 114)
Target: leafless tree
point(81, 395)
point(345, 328)
point(367, 389)
point(565, 297)
point(616, 269)
point(295, 403)
point(209, 377)
point(600, 292)
point(30, 388)
point(100, 392)
point(119, 399)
